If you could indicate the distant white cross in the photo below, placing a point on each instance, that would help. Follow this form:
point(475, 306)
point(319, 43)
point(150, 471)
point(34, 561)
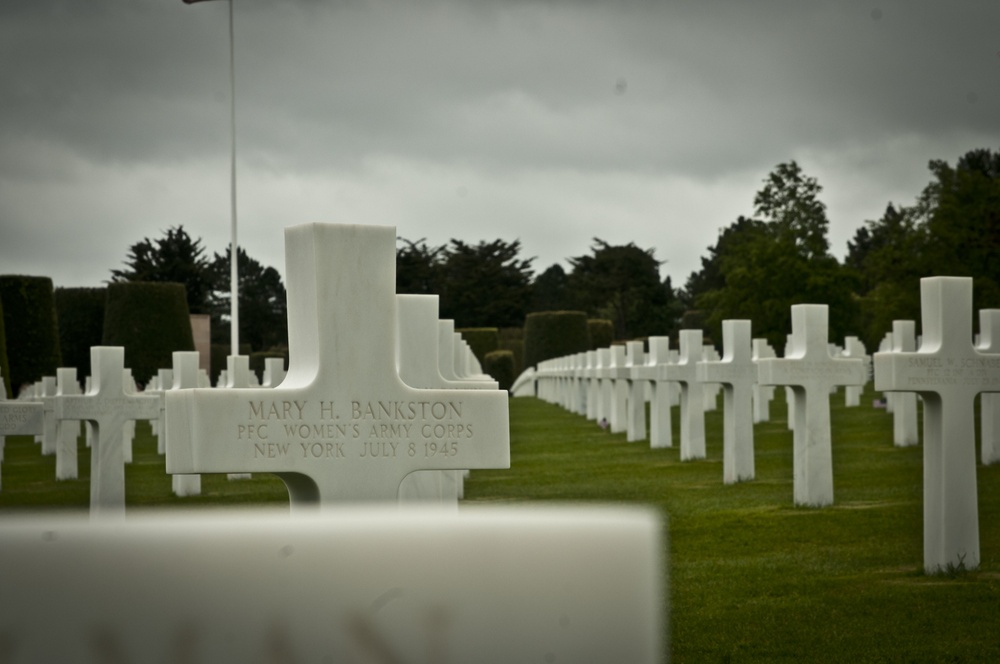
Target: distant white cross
point(737, 373)
point(685, 372)
point(107, 406)
point(810, 372)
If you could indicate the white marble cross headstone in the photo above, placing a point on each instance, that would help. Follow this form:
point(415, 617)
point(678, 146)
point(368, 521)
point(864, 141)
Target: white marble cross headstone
point(185, 377)
point(580, 384)
point(342, 426)
point(989, 342)
point(948, 373)
point(737, 373)
point(446, 349)
point(67, 432)
point(618, 374)
point(602, 375)
point(18, 418)
point(762, 394)
point(853, 347)
point(161, 382)
point(371, 585)
point(238, 377)
point(810, 372)
point(274, 371)
point(710, 390)
point(591, 383)
point(636, 424)
point(419, 366)
point(904, 415)
point(685, 372)
point(50, 426)
point(107, 406)
point(660, 420)
point(885, 346)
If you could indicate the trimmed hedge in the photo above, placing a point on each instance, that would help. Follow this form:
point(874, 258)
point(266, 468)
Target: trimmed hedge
point(81, 324)
point(549, 334)
point(4, 365)
point(151, 320)
point(482, 340)
point(602, 333)
point(500, 365)
point(30, 327)
point(515, 346)
point(512, 339)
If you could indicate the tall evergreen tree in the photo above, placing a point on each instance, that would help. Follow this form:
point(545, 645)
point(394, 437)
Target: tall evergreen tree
point(550, 290)
point(263, 303)
point(419, 267)
point(485, 285)
point(622, 283)
point(176, 257)
point(761, 267)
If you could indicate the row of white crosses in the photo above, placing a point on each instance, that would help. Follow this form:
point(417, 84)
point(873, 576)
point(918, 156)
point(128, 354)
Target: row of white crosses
point(108, 401)
point(613, 383)
point(946, 370)
point(327, 449)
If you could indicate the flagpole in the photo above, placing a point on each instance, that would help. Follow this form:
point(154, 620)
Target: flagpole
point(234, 247)
point(234, 254)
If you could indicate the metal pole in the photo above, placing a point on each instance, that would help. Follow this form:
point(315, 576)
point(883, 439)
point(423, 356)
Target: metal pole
point(234, 247)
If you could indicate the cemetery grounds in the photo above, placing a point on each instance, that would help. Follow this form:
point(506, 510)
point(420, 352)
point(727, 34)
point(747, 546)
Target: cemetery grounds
point(749, 576)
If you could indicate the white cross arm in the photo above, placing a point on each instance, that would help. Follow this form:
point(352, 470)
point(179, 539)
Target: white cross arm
point(278, 431)
point(18, 418)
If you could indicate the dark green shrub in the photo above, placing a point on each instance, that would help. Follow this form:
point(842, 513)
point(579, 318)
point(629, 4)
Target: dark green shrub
point(481, 340)
point(151, 321)
point(602, 333)
point(30, 327)
point(4, 365)
point(512, 339)
point(516, 346)
point(81, 324)
point(500, 365)
point(549, 334)
point(508, 334)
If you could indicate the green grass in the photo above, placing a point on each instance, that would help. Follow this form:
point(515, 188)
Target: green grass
point(751, 577)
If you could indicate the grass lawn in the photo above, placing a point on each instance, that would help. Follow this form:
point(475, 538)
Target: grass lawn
point(751, 578)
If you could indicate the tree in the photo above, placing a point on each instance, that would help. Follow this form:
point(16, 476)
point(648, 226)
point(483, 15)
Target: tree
point(953, 228)
point(263, 303)
point(176, 258)
point(622, 283)
point(732, 240)
point(549, 292)
point(960, 209)
point(789, 202)
point(419, 267)
point(761, 267)
point(486, 285)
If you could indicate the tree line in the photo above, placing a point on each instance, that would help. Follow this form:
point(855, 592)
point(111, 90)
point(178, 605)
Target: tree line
point(177, 257)
point(759, 266)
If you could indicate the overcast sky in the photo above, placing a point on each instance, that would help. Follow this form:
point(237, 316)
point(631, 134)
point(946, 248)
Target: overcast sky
point(549, 122)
